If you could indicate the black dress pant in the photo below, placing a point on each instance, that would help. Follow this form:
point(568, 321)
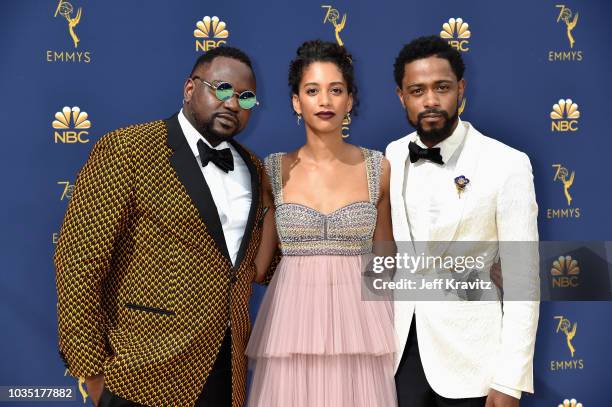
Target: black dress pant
point(413, 390)
point(108, 399)
point(217, 391)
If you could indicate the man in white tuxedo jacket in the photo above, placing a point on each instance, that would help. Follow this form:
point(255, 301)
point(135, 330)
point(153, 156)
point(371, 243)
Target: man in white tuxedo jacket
point(459, 353)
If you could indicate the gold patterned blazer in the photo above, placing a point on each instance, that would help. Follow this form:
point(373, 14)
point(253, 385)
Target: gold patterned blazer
point(146, 289)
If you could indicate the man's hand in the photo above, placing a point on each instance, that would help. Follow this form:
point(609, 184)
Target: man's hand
point(496, 275)
point(499, 399)
point(95, 385)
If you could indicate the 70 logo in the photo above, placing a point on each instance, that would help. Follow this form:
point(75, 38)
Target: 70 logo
point(67, 189)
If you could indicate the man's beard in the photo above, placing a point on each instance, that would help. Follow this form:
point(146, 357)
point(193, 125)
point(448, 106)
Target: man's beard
point(206, 128)
point(434, 135)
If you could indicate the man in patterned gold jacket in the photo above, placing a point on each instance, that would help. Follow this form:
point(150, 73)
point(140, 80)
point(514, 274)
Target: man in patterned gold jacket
point(157, 250)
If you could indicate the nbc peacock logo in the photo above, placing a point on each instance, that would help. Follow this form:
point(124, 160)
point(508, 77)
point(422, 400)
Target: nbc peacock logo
point(458, 33)
point(565, 271)
point(210, 33)
point(564, 115)
point(71, 125)
point(570, 403)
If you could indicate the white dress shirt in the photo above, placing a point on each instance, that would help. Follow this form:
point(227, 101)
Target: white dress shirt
point(231, 191)
point(428, 186)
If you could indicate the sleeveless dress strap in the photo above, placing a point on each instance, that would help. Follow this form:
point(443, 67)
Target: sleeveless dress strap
point(374, 171)
point(274, 170)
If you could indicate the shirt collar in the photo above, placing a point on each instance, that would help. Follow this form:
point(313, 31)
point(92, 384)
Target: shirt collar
point(449, 145)
point(193, 136)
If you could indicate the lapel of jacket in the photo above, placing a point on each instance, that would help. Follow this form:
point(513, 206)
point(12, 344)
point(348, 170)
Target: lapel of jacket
point(451, 213)
point(403, 310)
point(190, 175)
point(399, 174)
point(255, 193)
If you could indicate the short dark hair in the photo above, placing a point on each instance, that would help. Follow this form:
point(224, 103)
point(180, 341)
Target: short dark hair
point(424, 47)
point(223, 51)
point(323, 51)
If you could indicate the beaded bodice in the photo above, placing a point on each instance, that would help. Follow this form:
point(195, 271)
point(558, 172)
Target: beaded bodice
point(348, 230)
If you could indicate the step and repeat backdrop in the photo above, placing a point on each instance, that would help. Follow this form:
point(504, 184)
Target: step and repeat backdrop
point(537, 79)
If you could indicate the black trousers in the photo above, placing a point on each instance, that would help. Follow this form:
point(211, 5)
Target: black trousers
point(108, 399)
point(217, 391)
point(413, 390)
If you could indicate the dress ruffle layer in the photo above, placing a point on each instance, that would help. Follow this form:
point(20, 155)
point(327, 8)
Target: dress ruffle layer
point(324, 381)
point(313, 306)
point(316, 343)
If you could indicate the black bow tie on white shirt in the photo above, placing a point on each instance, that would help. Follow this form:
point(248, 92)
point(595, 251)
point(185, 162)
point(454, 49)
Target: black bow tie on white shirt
point(221, 158)
point(417, 152)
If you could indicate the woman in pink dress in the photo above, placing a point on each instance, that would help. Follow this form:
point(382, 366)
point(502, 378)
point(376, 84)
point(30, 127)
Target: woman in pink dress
point(315, 342)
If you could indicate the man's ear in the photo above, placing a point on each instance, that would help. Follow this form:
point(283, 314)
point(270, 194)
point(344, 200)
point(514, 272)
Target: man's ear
point(398, 92)
point(461, 88)
point(188, 89)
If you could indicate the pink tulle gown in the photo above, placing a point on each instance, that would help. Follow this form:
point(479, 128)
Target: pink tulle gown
point(315, 343)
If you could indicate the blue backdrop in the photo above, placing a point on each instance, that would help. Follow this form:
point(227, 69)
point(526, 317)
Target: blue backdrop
point(125, 62)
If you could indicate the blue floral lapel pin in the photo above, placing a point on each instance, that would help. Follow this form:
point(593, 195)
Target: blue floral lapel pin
point(460, 183)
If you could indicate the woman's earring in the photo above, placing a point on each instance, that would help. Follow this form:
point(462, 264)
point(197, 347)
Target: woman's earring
point(347, 118)
point(299, 118)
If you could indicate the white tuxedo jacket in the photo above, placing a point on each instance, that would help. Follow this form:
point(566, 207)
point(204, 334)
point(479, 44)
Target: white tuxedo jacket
point(467, 347)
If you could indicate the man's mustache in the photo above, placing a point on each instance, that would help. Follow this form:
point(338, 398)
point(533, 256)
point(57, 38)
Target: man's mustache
point(424, 113)
point(230, 115)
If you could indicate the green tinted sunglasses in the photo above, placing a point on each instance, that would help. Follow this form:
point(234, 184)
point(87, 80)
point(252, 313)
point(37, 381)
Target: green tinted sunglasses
point(224, 91)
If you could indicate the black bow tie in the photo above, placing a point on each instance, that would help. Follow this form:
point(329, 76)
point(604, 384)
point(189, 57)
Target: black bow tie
point(221, 158)
point(431, 154)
